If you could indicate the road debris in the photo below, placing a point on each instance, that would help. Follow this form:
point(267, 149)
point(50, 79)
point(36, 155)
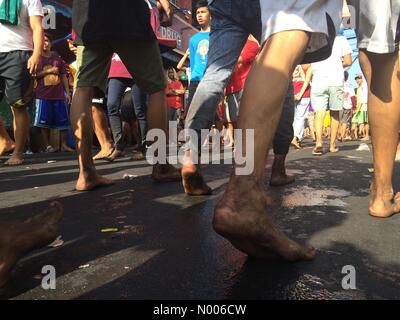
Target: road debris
point(105, 230)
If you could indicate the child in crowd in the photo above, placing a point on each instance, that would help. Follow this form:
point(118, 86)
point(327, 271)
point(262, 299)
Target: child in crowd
point(52, 97)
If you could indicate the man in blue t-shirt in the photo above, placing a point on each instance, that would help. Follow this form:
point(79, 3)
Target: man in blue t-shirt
point(198, 49)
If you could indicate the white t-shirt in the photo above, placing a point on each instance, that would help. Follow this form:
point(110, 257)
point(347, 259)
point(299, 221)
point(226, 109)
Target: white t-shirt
point(330, 72)
point(363, 96)
point(348, 94)
point(20, 37)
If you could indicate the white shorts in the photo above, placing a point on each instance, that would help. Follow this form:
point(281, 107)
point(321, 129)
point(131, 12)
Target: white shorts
point(321, 18)
point(377, 24)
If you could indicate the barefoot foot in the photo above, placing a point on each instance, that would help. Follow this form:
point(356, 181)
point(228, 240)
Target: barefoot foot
point(51, 149)
point(193, 182)
point(18, 239)
point(15, 160)
point(278, 172)
point(86, 183)
point(384, 208)
point(137, 156)
point(116, 154)
point(241, 218)
point(7, 147)
point(279, 180)
point(103, 153)
point(66, 148)
point(165, 173)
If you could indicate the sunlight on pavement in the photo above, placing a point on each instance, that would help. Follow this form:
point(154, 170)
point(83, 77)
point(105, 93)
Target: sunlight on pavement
point(93, 275)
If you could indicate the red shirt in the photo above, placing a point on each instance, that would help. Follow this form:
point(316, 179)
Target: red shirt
point(297, 88)
point(118, 69)
point(298, 80)
point(50, 87)
point(239, 75)
point(174, 101)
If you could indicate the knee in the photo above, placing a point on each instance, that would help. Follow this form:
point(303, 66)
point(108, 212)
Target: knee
point(113, 109)
point(213, 85)
point(19, 108)
point(140, 113)
point(87, 91)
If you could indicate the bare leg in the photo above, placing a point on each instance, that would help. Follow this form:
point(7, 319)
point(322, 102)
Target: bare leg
point(18, 239)
point(366, 132)
point(319, 128)
point(137, 155)
point(398, 150)
point(354, 130)
point(345, 132)
point(64, 145)
point(135, 131)
point(192, 179)
point(306, 132)
point(278, 172)
point(328, 132)
point(335, 120)
point(21, 131)
point(296, 142)
point(6, 143)
point(46, 138)
point(102, 133)
point(157, 119)
point(384, 116)
point(361, 130)
point(311, 118)
point(82, 126)
point(230, 128)
point(240, 214)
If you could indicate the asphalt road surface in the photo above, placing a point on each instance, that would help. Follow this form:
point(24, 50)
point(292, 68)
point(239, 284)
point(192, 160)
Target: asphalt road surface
point(163, 245)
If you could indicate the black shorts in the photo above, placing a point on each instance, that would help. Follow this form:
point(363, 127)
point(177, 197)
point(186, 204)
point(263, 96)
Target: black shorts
point(15, 80)
point(346, 117)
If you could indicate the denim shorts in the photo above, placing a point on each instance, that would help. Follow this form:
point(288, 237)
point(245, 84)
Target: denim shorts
point(327, 98)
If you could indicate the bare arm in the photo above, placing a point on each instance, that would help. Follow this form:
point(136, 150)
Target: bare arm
point(35, 23)
point(65, 83)
point(43, 73)
point(179, 92)
point(181, 63)
point(166, 12)
point(175, 92)
point(306, 83)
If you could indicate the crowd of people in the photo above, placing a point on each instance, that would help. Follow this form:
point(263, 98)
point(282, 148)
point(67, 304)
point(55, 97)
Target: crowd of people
point(272, 65)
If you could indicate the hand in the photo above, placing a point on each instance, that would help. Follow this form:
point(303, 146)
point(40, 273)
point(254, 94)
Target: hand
point(52, 70)
point(72, 48)
point(55, 71)
point(33, 64)
point(297, 97)
point(68, 98)
point(165, 13)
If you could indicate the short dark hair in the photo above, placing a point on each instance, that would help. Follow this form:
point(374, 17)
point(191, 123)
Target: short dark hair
point(200, 4)
point(346, 76)
point(48, 36)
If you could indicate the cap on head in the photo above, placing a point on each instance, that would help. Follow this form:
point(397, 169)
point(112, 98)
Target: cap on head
point(358, 76)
